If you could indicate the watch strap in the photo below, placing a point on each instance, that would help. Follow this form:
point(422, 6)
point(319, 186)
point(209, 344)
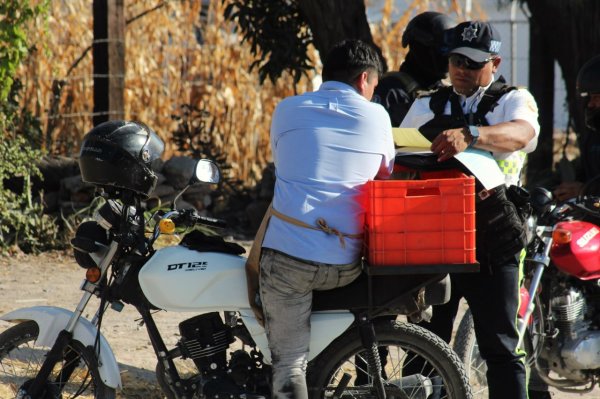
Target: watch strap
point(474, 132)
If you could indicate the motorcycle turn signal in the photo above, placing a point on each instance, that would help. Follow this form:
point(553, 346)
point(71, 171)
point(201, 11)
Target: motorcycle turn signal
point(93, 274)
point(166, 226)
point(561, 236)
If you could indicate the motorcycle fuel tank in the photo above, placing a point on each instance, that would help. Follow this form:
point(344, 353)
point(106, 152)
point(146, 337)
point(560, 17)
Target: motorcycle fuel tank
point(180, 279)
point(581, 256)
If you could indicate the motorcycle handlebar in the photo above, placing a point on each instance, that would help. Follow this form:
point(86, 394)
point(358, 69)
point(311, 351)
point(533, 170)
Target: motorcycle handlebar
point(214, 222)
point(190, 218)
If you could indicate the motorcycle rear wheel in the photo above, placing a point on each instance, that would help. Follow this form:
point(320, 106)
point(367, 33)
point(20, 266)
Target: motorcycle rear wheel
point(442, 373)
point(21, 358)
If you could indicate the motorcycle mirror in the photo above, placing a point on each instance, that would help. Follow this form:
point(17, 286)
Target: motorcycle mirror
point(541, 200)
point(206, 171)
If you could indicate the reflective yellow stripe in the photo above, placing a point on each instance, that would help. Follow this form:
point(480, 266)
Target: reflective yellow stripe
point(510, 167)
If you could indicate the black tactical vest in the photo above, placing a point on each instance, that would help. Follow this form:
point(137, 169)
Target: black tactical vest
point(457, 118)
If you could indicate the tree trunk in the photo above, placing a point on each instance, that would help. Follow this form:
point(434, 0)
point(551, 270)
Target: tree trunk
point(570, 29)
point(541, 85)
point(334, 20)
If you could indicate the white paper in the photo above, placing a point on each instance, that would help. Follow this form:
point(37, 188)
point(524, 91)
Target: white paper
point(479, 162)
point(483, 166)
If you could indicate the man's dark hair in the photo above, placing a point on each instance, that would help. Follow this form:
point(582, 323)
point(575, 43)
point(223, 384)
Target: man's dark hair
point(350, 58)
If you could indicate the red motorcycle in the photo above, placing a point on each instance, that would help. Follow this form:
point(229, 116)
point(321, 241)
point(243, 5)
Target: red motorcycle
point(559, 324)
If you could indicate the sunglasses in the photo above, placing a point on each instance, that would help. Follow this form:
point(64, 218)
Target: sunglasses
point(460, 61)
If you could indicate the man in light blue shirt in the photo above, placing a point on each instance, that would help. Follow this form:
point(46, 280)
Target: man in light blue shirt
point(326, 145)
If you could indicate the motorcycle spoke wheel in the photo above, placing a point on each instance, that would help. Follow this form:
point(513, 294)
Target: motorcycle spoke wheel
point(76, 376)
point(467, 349)
point(435, 370)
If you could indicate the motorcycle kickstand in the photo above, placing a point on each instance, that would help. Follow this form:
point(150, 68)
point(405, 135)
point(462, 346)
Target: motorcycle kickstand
point(369, 342)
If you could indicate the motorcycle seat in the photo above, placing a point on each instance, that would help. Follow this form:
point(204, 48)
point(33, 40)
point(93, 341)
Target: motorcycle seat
point(391, 294)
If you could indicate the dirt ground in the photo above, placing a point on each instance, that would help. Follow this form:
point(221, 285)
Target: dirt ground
point(53, 279)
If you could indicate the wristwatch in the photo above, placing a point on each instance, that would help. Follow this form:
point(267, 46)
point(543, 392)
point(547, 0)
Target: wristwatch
point(474, 132)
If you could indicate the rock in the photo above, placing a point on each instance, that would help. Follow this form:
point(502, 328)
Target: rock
point(162, 190)
point(71, 185)
point(56, 168)
point(178, 171)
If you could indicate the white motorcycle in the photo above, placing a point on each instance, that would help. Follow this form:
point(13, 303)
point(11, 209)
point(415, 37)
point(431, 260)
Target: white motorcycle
point(52, 352)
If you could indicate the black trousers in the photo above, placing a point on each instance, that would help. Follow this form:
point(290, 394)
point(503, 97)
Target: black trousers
point(493, 297)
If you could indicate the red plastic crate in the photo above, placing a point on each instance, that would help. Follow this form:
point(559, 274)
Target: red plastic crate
point(420, 222)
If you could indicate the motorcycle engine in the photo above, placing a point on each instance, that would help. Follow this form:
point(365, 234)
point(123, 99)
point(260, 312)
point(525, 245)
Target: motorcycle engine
point(205, 339)
point(576, 347)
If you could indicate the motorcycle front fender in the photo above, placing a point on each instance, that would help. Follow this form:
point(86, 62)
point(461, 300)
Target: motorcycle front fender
point(51, 320)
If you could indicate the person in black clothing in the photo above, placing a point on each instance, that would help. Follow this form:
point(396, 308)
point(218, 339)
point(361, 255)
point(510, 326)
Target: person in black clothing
point(588, 92)
point(423, 68)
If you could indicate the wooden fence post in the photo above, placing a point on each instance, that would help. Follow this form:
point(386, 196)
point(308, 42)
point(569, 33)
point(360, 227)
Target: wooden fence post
point(109, 60)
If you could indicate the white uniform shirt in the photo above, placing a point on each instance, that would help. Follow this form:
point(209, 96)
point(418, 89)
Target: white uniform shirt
point(326, 145)
point(516, 104)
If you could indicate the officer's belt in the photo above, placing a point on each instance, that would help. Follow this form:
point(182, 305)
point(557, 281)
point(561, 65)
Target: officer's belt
point(485, 194)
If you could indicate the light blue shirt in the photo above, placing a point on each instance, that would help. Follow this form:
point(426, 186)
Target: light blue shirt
point(326, 145)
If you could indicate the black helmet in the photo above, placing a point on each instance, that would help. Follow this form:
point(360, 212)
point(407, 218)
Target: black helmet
point(588, 83)
point(121, 154)
point(427, 29)
point(426, 61)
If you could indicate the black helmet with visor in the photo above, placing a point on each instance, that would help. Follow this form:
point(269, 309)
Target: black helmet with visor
point(121, 155)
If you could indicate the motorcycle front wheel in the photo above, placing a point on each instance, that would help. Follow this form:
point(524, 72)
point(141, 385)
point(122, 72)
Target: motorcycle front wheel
point(76, 376)
point(440, 373)
point(465, 345)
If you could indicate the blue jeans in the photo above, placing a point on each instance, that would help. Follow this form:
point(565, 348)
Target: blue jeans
point(286, 285)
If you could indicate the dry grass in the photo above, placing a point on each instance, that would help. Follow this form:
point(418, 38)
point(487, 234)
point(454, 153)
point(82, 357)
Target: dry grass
point(167, 67)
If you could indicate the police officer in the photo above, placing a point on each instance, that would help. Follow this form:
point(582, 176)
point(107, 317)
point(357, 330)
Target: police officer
point(588, 93)
point(423, 68)
point(481, 112)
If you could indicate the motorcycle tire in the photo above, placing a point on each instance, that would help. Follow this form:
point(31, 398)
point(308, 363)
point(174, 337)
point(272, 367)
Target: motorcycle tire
point(21, 358)
point(443, 374)
point(465, 346)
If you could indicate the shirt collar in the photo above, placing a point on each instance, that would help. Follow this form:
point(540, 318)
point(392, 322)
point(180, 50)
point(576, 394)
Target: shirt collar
point(335, 85)
point(478, 93)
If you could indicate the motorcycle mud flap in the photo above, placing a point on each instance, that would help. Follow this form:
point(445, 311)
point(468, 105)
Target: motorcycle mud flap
point(500, 232)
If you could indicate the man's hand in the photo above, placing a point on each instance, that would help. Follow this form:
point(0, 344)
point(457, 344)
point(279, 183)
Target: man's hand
point(567, 190)
point(450, 142)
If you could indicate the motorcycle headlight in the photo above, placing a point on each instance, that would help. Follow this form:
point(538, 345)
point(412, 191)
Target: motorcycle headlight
point(109, 215)
point(89, 238)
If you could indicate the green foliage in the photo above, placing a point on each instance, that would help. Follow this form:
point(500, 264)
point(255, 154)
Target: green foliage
point(15, 15)
point(277, 33)
point(22, 221)
point(20, 121)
